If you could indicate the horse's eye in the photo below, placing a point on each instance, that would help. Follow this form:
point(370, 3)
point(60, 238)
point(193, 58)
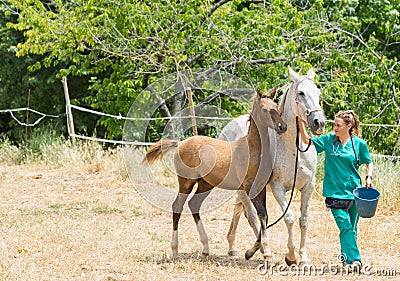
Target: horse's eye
point(301, 93)
point(264, 109)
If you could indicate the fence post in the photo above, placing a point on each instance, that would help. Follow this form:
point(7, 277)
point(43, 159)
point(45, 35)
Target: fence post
point(27, 114)
point(192, 112)
point(70, 119)
point(397, 145)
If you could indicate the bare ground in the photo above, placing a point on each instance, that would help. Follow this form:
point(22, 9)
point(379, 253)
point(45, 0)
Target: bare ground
point(87, 222)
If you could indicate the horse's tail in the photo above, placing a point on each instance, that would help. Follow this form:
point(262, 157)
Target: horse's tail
point(157, 150)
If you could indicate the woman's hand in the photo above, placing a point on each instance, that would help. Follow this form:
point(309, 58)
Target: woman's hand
point(368, 181)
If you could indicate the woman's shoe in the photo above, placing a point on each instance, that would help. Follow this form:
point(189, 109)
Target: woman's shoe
point(354, 266)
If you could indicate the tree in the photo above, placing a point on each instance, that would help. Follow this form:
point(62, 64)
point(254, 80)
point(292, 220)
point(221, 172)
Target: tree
point(126, 45)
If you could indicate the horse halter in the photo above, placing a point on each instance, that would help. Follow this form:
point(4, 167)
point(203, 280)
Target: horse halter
point(307, 111)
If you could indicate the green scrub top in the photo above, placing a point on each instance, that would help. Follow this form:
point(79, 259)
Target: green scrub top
point(341, 174)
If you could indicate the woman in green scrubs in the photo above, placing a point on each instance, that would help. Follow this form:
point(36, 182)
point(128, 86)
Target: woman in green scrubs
point(344, 153)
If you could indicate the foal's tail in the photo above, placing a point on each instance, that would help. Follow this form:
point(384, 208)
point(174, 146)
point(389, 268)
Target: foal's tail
point(157, 150)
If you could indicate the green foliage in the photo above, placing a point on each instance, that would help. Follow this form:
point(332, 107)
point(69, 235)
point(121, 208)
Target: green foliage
point(115, 49)
point(31, 150)
point(46, 146)
point(21, 77)
point(8, 152)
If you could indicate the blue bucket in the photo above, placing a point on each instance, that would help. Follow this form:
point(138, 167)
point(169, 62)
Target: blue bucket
point(366, 201)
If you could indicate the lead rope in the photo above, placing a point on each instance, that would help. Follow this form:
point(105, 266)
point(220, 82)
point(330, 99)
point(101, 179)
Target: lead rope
point(295, 172)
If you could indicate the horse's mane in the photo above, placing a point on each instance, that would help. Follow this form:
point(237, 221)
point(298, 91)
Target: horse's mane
point(282, 101)
point(286, 89)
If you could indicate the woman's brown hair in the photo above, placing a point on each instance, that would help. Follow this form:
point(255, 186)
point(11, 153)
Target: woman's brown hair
point(350, 117)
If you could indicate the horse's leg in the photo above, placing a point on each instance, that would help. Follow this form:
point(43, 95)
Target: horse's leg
point(243, 201)
point(203, 190)
point(231, 236)
point(185, 187)
point(262, 239)
point(279, 193)
point(306, 194)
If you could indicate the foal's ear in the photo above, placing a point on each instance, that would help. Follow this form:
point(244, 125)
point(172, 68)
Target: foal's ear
point(272, 94)
point(259, 93)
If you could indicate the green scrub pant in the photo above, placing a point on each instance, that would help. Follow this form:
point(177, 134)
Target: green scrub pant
point(347, 221)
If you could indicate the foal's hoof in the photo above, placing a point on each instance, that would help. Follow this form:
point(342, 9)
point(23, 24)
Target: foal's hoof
point(268, 264)
point(249, 254)
point(233, 253)
point(270, 259)
point(289, 262)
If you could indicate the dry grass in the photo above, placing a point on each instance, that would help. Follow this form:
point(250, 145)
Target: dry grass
point(79, 218)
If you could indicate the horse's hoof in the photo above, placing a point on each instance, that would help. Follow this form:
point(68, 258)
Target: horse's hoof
point(233, 253)
point(249, 254)
point(174, 251)
point(289, 262)
point(205, 255)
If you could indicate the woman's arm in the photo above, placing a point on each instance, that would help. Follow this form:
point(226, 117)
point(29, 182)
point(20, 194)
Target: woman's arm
point(368, 179)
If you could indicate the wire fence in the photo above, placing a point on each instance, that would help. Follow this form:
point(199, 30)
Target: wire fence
point(138, 143)
point(26, 109)
point(120, 117)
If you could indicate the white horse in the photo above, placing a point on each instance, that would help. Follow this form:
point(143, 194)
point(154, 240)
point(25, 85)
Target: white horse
point(301, 100)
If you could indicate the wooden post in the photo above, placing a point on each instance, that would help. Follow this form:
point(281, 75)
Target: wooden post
point(27, 114)
point(398, 137)
point(70, 119)
point(192, 112)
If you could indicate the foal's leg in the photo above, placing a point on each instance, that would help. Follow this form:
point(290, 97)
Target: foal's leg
point(262, 239)
point(185, 187)
point(306, 194)
point(231, 236)
point(203, 190)
point(250, 212)
point(280, 196)
point(243, 201)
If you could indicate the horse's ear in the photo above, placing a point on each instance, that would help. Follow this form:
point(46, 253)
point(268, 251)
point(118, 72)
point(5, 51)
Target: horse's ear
point(311, 74)
point(259, 93)
point(293, 75)
point(272, 94)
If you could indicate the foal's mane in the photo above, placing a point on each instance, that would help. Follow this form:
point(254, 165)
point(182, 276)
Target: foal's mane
point(260, 95)
point(253, 99)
